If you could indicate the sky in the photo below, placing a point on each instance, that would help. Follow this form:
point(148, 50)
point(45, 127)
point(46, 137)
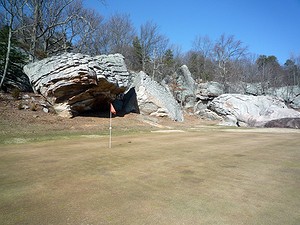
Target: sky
point(266, 27)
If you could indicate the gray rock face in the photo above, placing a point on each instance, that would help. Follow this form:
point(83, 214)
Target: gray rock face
point(15, 79)
point(127, 103)
point(184, 87)
point(251, 110)
point(296, 102)
point(208, 114)
point(185, 80)
point(209, 90)
point(290, 94)
point(154, 99)
point(75, 83)
point(252, 89)
point(206, 92)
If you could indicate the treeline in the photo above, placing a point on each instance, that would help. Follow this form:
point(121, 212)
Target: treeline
point(228, 60)
point(43, 28)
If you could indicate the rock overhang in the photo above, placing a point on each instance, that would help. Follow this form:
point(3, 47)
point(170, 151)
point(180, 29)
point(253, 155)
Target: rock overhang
point(77, 83)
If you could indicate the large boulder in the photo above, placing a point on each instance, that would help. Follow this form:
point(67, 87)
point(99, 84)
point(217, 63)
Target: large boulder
point(183, 87)
point(76, 83)
point(154, 99)
point(251, 110)
point(187, 86)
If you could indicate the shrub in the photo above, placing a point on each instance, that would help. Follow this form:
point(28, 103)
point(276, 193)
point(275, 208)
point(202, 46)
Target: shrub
point(16, 93)
point(20, 106)
point(33, 106)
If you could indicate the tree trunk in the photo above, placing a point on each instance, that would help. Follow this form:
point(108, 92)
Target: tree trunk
point(144, 60)
point(34, 31)
point(7, 52)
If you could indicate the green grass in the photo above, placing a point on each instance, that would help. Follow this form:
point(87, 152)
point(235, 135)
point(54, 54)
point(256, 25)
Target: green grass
point(16, 132)
point(205, 176)
point(43, 136)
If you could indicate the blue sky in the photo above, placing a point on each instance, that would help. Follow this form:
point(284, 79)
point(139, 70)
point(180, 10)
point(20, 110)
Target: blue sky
point(269, 27)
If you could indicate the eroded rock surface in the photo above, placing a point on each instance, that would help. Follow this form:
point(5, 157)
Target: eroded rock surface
point(251, 110)
point(76, 83)
point(15, 79)
point(290, 94)
point(154, 99)
point(186, 87)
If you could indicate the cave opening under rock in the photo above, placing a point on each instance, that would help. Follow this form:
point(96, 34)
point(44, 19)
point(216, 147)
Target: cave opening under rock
point(98, 107)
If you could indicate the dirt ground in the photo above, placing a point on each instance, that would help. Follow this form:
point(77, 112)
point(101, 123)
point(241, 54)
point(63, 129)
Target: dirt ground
point(157, 171)
point(26, 123)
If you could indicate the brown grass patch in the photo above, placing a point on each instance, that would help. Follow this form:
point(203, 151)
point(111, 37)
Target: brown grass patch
point(197, 177)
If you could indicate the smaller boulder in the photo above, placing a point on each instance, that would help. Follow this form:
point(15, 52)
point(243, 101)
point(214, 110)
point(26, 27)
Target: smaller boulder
point(284, 123)
point(208, 114)
point(209, 90)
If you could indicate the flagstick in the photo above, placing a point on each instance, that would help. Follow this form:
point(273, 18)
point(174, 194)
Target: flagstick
point(110, 129)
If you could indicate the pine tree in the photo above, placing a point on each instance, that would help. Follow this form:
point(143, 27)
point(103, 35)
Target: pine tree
point(168, 58)
point(13, 71)
point(138, 54)
point(16, 56)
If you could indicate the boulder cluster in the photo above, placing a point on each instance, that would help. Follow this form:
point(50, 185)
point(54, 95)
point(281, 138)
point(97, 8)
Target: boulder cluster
point(76, 83)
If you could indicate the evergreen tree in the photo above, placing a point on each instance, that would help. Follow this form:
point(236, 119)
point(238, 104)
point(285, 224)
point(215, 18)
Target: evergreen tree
point(138, 54)
point(15, 63)
point(168, 58)
point(292, 72)
point(168, 63)
point(270, 71)
point(16, 57)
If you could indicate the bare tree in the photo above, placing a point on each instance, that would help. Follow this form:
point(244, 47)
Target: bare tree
point(56, 16)
point(121, 32)
point(227, 50)
point(201, 57)
point(51, 26)
point(88, 23)
point(46, 16)
point(153, 45)
point(204, 46)
point(248, 69)
point(157, 59)
point(47, 27)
